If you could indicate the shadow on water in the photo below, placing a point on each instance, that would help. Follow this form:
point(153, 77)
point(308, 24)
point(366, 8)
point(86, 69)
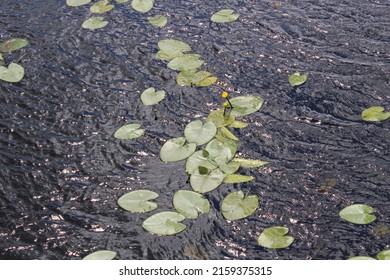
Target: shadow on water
point(61, 170)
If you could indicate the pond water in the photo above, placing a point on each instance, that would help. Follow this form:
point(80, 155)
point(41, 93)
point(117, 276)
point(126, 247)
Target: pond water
point(62, 171)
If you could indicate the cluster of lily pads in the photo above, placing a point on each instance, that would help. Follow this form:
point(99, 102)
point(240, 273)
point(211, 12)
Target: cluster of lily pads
point(14, 72)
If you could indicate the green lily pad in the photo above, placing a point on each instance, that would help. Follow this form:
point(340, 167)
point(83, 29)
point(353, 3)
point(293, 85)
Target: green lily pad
point(101, 7)
point(224, 16)
point(249, 163)
point(275, 238)
point(190, 204)
point(94, 23)
point(219, 119)
point(122, 1)
point(175, 149)
point(354, 258)
point(375, 114)
point(246, 104)
point(238, 124)
point(228, 134)
point(384, 255)
point(138, 201)
point(198, 159)
point(226, 167)
point(101, 255)
point(142, 6)
point(13, 44)
point(225, 150)
point(170, 48)
point(186, 62)
point(13, 74)
point(151, 97)
point(237, 178)
point(192, 77)
point(158, 20)
point(164, 223)
point(129, 131)
point(1, 60)
point(297, 79)
point(208, 81)
point(76, 3)
point(199, 133)
point(358, 214)
point(236, 206)
point(203, 183)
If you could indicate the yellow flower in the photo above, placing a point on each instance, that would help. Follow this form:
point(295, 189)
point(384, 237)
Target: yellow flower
point(225, 104)
point(225, 94)
point(277, 5)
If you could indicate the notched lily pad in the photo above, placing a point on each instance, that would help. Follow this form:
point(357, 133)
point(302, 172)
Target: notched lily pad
point(275, 238)
point(101, 7)
point(164, 223)
point(246, 104)
point(296, 79)
point(198, 159)
point(171, 48)
point(358, 214)
point(151, 97)
point(94, 23)
point(190, 204)
point(203, 183)
point(158, 20)
point(199, 133)
point(13, 74)
point(142, 6)
point(138, 201)
point(224, 16)
point(236, 206)
point(101, 255)
point(194, 78)
point(129, 131)
point(13, 45)
point(186, 62)
point(375, 114)
point(176, 149)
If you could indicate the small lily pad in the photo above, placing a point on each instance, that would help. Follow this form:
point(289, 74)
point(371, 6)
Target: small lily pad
point(13, 74)
point(237, 178)
point(171, 48)
point(236, 206)
point(375, 114)
point(198, 159)
point(138, 201)
point(384, 255)
point(101, 255)
point(199, 133)
point(275, 238)
point(249, 163)
point(151, 97)
point(164, 223)
point(176, 149)
point(186, 62)
point(12, 45)
point(358, 214)
point(94, 23)
point(142, 6)
point(101, 7)
point(219, 119)
point(158, 20)
point(297, 79)
point(224, 16)
point(246, 104)
point(190, 203)
point(203, 183)
point(76, 3)
point(354, 258)
point(129, 131)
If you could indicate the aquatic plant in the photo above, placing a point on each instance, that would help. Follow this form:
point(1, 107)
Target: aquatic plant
point(375, 114)
point(14, 72)
point(101, 255)
point(275, 238)
point(358, 214)
point(225, 15)
point(297, 79)
point(382, 255)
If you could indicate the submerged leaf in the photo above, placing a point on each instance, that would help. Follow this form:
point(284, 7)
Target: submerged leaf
point(164, 223)
point(358, 214)
point(246, 104)
point(199, 133)
point(12, 45)
point(101, 255)
point(158, 20)
point(76, 3)
point(225, 15)
point(236, 206)
point(297, 79)
point(13, 74)
point(129, 131)
point(142, 6)
point(101, 6)
point(138, 201)
point(175, 149)
point(151, 97)
point(186, 62)
point(94, 23)
point(375, 114)
point(190, 203)
point(275, 238)
point(203, 183)
point(237, 178)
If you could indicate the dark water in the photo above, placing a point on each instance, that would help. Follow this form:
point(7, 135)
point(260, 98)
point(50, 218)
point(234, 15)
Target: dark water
point(61, 169)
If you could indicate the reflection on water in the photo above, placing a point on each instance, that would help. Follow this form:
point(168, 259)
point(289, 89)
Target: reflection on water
point(61, 170)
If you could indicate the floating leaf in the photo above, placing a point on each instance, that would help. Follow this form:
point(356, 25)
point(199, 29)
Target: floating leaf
point(12, 45)
point(203, 183)
point(164, 223)
point(361, 258)
point(76, 3)
point(191, 77)
point(101, 255)
point(236, 206)
point(358, 214)
point(1, 60)
point(94, 23)
point(375, 114)
point(197, 159)
point(297, 79)
point(190, 203)
point(226, 167)
point(384, 255)
point(186, 62)
point(206, 82)
point(219, 119)
point(228, 134)
point(101, 7)
point(138, 201)
point(150, 96)
point(158, 20)
point(13, 74)
point(142, 6)
point(122, 1)
point(199, 133)
point(175, 149)
point(275, 238)
point(129, 131)
point(224, 16)
point(219, 149)
point(246, 104)
point(237, 178)
point(238, 124)
point(171, 48)
point(249, 163)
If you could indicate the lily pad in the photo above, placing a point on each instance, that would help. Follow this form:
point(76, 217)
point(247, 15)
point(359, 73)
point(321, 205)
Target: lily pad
point(192, 77)
point(375, 114)
point(186, 62)
point(158, 20)
point(358, 214)
point(224, 16)
point(203, 183)
point(246, 104)
point(13, 74)
point(94, 23)
point(361, 258)
point(150, 96)
point(101, 7)
point(219, 119)
point(122, 1)
point(129, 131)
point(164, 223)
point(226, 167)
point(142, 6)
point(237, 178)
point(226, 150)
point(228, 134)
point(190, 204)
point(275, 238)
point(236, 206)
point(138, 201)
point(13, 44)
point(384, 255)
point(238, 124)
point(76, 3)
point(171, 48)
point(176, 149)
point(249, 163)
point(199, 133)
point(297, 79)
point(198, 159)
point(101, 255)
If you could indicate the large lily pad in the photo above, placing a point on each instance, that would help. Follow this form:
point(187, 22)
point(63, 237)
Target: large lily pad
point(236, 206)
point(76, 3)
point(101, 255)
point(13, 44)
point(164, 223)
point(297, 79)
point(237, 178)
point(138, 201)
point(358, 214)
point(171, 48)
point(158, 20)
point(224, 16)
point(198, 159)
point(94, 23)
point(101, 7)
point(186, 62)
point(151, 97)
point(129, 131)
point(176, 149)
point(384, 255)
point(203, 183)
point(375, 114)
point(190, 204)
point(275, 238)
point(199, 133)
point(246, 104)
point(13, 74)
point(142, 6)
point(219, 119)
